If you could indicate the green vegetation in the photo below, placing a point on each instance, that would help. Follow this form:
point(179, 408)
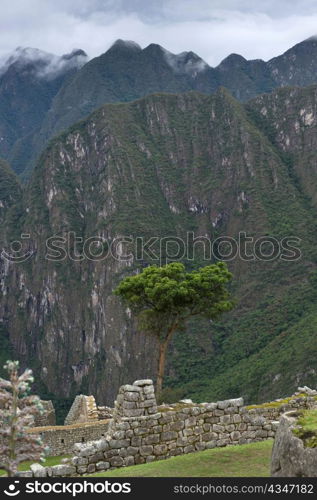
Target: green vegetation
point(165, 298)
point(278, 403)
point(49, 462)
point(307, 428)
point(160, 166)
point(248, 460)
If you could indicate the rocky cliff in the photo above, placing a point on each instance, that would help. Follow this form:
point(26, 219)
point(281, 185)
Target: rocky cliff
point(163, 166)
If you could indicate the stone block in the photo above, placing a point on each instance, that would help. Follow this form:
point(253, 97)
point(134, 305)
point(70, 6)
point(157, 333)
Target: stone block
point(119, 443)
point(217, 428)
point(130, 405)
point(146, 450)
point(79, 461)
point(211, 444)
point(136, 441)
point(131, 397)
point(183, 441)
point(148, 390)
point(102, 465)
point(189, 449)
point(140, 431)
point(129, 388)
point(176, 452)
point(238, 402)
point(222, 442)
point(160, 449)
point(200, 446)
point(123, 426)
point(177, 426)
point(231, 410)
point(97, 457)
point(261, 433)
point(139, 460)
point(82, 469)
point(132, 450)
point(102, 445)
point(116, 461)
point(91, 468)
point(221, 405)
point(168, 436)
point(38, 470)
point(236, 419)
point(129, 460)
point(225, 419)
point(211, 406)
point(150, 458)
point(151, 439)
point(142, 383)
point(152, 410)
point(63, 470)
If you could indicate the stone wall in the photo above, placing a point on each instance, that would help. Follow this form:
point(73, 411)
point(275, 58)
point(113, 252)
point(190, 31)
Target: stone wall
point(48, 417)
point(83, 409)
point(142, 432)
point(61, 439)
point(290, 457)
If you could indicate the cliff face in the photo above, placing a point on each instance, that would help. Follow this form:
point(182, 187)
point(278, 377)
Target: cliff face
point(162, 166)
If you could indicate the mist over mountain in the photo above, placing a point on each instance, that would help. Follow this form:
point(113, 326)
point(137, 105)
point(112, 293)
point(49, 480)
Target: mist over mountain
point(68, 88)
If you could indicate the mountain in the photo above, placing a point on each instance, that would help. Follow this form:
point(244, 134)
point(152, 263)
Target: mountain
point(163, 166)
point(29, 79)
point(124, 73)
point(10, 191)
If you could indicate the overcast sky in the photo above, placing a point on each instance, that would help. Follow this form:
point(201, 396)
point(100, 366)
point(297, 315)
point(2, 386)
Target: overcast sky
point(211, 28)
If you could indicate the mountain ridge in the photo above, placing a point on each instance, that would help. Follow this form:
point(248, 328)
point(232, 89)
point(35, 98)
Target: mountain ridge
point(162, 166)
point(126, 72)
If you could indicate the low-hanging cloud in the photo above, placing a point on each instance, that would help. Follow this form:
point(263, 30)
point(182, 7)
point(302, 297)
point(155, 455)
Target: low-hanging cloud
point(211, 28)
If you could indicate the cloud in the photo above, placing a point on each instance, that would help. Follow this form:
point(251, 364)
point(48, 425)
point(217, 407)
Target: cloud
point(211, 28)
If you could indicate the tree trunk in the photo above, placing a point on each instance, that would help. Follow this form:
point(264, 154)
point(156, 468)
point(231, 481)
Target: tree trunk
point(161, 369)
point(161, 362)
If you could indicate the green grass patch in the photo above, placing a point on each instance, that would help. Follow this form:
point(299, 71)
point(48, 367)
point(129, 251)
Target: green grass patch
point(248, 460)
point(277, 403)
point(49, 462)
point(307, 430)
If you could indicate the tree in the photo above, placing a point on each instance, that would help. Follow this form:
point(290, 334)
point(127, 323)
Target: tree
point(164, 298)
point(17, 410)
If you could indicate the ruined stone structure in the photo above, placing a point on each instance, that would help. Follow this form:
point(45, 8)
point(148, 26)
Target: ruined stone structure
point(83, 409)
point(141, 432)
point(48, 417)
point(61, 439)
point(290, 457)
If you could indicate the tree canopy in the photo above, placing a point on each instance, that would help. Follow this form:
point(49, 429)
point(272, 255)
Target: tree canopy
point(163, 298)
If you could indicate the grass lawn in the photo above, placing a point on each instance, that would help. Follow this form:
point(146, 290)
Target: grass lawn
point(307, 429)
point(49, 461)
point(248, 460)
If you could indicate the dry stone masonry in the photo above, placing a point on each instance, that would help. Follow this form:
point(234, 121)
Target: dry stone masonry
point(83, 409)
point(290, 457)
point(141, 432)
point(61, 439)
point(47, 417)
